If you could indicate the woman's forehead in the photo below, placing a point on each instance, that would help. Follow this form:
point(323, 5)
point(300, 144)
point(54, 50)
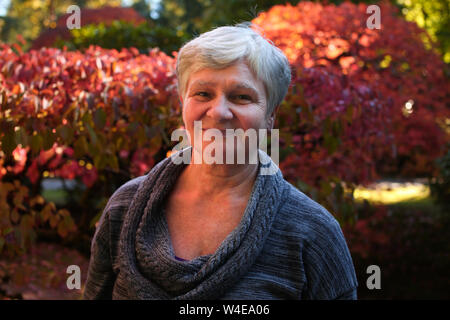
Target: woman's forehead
point(233, 83)
point(238, 69)
point(235, 76)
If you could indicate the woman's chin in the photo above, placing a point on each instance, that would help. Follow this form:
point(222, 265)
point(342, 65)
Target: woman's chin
point(230, 156)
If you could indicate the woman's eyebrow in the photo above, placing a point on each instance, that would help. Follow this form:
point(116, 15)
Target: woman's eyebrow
point(201, 83)
point(234, 85)
point(245, 85)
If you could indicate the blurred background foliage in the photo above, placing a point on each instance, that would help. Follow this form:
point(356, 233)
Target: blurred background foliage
point(186, 18)
point(29, 18)
point(122, 34)
point(433, 16)
point(361, 107)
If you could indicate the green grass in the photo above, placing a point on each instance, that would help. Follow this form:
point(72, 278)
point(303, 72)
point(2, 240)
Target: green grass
point(58, 196)
point(426, 204)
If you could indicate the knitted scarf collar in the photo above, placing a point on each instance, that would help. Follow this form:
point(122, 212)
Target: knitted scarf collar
point(146, 254)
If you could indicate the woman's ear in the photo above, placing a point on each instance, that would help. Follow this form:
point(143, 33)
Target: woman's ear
point(271, 119)
point(270, 123)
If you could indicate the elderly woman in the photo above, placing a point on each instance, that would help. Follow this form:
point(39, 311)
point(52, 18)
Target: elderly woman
point(203, 230)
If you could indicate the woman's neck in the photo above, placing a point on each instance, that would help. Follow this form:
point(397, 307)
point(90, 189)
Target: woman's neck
point(214, 182)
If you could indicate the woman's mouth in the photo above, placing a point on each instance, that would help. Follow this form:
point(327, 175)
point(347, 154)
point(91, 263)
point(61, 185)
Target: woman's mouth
point(223, 131)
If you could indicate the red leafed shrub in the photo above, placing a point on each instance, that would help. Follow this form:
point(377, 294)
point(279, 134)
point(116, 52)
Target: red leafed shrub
point(366, 234)
point(363, 103)
point(105, 15)
point(101, 116)
point(104, 116)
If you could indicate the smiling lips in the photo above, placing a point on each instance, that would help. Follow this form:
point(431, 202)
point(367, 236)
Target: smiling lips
point(224, 132)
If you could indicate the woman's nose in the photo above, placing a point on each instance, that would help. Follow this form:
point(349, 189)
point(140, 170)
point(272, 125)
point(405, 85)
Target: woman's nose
point(219, 109)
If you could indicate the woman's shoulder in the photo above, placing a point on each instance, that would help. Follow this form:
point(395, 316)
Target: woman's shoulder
point(326, 259)
point(122, 197)
point(301, 214)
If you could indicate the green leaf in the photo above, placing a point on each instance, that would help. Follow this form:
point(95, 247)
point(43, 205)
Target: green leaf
point(331, 143)
point(2, 243)
point(132, 127)
point(8, 143)
point(62, 229)
point(27, 222)
point(325, 188)
point(349, 114)
point(4, 100)
point(338, 191)
point(100, 161)
point(54, 219)
point(69, 223)
point(66, 133)
point(7, 231)
point(48, 139)
point(99, 118)
point(94, 149)
point(113, 162)
point(92, 134)
point(21, 137)
point(337, 128)
point(48, 211)
point(81, 147)
point(36, 143)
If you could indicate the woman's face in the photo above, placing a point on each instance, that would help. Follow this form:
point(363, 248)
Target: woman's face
point(229, 98)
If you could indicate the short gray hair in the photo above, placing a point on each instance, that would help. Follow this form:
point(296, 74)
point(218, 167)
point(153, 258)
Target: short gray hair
point(224, 46)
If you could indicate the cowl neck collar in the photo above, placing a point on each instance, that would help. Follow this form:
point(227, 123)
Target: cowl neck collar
point(147, 260)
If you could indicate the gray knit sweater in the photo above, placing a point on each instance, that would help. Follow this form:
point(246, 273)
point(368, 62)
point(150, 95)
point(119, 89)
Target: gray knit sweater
point(286, 246)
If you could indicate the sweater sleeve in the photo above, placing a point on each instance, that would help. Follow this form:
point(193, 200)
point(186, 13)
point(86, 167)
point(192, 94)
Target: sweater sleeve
point(349, 295)
point(101, 273)
point(329, 269)
point(101, 277)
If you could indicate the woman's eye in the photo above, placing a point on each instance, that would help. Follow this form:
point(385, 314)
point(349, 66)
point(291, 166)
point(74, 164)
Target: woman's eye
point(243, 97)
point(202, 94)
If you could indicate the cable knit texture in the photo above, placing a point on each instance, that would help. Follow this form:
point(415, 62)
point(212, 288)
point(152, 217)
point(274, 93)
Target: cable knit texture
point(286, 246)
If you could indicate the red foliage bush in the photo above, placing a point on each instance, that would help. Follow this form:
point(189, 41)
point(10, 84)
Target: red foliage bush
point(345, 119)
point(355, 83)
point(99, 114)
point(77, 115)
